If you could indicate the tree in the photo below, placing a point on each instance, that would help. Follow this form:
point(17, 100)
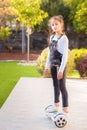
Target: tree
point(78, 14)
point(79, 21)
point(30, 13)
point(6, 12)
point(4, 34)
point(53, 7)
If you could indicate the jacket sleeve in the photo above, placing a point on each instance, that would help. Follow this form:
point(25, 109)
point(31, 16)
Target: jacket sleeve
point(64, 54)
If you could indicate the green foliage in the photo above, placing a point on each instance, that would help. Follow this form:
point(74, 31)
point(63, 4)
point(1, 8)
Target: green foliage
point(79, 21)
point(78, 14)
point(53, 7)
point(10, 73)
point(82, 66)
point(29, 11)
point(74, 74)
point(70, 63)
point(41, 61)
point(4, 32)
point(78, 53)
point(80, 58)
point(72, 4)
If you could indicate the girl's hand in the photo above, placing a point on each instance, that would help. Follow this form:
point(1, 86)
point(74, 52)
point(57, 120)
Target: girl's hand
point(59, 75)
point(45, 73)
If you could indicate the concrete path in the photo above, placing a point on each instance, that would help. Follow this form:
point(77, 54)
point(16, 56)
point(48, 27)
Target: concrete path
point(24, 108)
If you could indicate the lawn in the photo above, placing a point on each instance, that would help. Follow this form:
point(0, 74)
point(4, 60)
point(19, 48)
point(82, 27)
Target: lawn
point(10, 73)
point(74, 74)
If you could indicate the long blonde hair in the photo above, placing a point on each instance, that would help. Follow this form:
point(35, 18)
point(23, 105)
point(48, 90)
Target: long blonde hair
point(58, 18)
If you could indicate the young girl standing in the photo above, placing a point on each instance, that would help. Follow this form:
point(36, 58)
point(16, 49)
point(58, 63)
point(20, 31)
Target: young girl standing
point(57, 60)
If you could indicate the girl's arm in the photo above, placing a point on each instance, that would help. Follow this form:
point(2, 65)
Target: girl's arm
point(64, 48)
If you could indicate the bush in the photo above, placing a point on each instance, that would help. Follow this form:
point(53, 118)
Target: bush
point(78, 53)
point(70, 63)
point(4, 32)
point(41, 61)
point(82, 66)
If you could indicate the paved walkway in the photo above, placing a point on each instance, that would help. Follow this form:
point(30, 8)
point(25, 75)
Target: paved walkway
point(24, 108)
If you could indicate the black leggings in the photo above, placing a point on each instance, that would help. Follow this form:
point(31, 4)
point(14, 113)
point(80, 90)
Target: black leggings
point(59, 86)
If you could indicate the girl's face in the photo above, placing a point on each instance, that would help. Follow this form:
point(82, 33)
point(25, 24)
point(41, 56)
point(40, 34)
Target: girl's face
point(56, 26)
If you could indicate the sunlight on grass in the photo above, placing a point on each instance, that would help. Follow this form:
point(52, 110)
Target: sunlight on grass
point(10, 73)
point(74, 74)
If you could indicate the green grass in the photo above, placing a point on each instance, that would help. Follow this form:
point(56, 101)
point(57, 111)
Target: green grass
point(74, 74)
point(10, 73)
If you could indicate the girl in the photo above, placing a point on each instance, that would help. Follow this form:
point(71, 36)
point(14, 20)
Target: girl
point(57, 60)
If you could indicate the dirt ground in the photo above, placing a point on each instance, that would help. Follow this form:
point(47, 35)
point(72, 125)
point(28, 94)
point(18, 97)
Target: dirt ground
point(19, 56)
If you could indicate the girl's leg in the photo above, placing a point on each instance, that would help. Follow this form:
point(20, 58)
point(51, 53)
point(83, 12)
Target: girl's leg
point(56, 86)
point(62, 84)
